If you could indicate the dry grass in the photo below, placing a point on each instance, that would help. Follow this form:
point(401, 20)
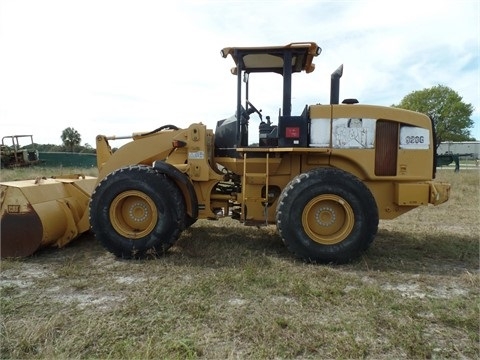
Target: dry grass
point(226, 291)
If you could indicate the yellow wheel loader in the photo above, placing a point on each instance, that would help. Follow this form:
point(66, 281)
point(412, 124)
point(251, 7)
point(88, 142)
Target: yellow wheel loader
point(324, 176)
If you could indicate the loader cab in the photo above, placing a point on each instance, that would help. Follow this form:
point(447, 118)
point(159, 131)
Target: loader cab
point(232, 133)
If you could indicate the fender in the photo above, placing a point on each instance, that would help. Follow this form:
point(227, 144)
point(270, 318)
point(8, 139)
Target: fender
point(172, 172)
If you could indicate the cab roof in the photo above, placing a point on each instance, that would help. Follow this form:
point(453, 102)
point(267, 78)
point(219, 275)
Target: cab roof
point(272, 58)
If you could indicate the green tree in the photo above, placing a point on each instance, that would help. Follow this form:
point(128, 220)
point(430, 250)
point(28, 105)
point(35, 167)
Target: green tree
point(87, 148)
point(450, 114)
point(71, 138)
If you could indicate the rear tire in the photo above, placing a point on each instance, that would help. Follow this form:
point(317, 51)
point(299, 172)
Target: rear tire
point(327, 215)
point(137, 212)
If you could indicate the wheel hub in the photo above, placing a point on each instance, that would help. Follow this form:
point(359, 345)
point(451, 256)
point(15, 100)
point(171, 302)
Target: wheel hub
point(325, 216)
point(133, 214)
point(328, 219)
point(138, 212)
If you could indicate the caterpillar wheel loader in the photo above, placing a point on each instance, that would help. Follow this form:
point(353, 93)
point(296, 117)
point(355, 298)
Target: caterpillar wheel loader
point(325, 176)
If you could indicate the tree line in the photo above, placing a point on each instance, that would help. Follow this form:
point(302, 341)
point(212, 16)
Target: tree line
point(62, 148)
point(71, 142)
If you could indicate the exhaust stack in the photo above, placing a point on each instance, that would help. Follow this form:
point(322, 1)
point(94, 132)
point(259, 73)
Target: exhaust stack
point(335, 85)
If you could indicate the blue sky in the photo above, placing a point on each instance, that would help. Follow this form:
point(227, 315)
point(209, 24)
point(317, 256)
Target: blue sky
point(118, 67)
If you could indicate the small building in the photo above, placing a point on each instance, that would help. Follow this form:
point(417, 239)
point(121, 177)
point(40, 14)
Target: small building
point(460, 147)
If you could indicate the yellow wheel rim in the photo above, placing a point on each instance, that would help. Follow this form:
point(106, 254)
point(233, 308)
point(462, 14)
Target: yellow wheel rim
point(328, 219)
point(133, 214)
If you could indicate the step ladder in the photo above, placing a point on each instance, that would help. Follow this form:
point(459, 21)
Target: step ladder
point(250, 184)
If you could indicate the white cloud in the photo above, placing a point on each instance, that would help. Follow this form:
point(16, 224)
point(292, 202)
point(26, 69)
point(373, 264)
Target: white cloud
point(117, 67)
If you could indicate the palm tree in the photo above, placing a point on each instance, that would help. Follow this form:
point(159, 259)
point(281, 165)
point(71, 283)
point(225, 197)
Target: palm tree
point(71, 138)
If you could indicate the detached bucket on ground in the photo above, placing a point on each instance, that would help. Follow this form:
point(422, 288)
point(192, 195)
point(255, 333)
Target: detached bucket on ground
point(43, 212)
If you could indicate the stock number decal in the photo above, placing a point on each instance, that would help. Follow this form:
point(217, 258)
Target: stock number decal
point(414, 139)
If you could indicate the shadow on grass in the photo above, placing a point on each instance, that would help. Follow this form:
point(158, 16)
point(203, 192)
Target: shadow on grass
point(84, 246)
point(426, 253)
point(235, 246)
point(225, 246)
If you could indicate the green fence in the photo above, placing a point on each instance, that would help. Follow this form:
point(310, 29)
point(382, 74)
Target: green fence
point(61, 159)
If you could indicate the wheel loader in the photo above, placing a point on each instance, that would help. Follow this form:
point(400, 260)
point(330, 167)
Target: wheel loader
point(324, 176)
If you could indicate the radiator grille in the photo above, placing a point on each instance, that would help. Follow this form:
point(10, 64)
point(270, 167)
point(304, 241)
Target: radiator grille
point(386, 148)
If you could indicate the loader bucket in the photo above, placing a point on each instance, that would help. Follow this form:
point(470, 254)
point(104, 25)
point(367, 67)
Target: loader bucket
point(43, 212)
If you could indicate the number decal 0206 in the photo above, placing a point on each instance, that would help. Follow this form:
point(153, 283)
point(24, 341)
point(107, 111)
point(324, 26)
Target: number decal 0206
point(414, 139)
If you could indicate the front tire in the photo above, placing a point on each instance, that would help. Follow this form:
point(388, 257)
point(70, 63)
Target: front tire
point(137, 212)
point(327, 215)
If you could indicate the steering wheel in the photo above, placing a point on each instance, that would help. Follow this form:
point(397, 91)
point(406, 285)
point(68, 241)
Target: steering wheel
point(253, 109)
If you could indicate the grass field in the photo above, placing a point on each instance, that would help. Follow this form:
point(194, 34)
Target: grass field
point(226, 291)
